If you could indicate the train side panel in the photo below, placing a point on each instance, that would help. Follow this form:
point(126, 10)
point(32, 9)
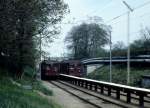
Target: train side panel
point(51, 70)
point(75, 68)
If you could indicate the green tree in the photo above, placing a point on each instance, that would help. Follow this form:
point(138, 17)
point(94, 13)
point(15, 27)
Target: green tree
point(86, 40)
point(119, 49)
point(141, 46)
point(22, 23)
point(138, 47)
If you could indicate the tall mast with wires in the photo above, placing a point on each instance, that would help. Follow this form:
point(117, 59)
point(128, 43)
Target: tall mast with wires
point(128, 41)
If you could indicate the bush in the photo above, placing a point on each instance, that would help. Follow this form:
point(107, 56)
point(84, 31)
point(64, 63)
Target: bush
point(119, 74)
point(28, 71)
point(12, 96)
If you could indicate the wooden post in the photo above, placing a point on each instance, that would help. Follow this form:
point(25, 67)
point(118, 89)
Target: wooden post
point(109, 91)
point(102, 89)
point(95, 87)
point(118, 94)
point(128, 97)
point(86, 85)
point(141, 100)
point(91, 86)
point(82, 84)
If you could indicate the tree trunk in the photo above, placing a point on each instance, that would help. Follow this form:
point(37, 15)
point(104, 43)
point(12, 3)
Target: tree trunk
point(20, 46)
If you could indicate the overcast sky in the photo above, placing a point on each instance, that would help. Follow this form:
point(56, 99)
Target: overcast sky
point(81, 10)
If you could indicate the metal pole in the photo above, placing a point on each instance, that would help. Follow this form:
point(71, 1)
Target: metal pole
point(40, 56)
point(128, 39)
point(110, 58)
point(40, 48)
point(128, 52)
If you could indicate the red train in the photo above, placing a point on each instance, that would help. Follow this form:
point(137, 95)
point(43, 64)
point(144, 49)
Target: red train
point(52, 69)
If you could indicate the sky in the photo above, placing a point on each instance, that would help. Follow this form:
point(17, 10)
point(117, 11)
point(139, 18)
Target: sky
point(108, 10)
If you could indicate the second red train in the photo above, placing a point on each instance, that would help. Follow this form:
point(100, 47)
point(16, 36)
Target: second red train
point(50, 70)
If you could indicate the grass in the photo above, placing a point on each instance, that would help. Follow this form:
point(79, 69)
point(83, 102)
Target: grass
point(36, 85)
point(13, 96)
point(119, 74)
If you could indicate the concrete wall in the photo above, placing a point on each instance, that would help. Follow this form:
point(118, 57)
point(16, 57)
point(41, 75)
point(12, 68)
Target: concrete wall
point(91, 68)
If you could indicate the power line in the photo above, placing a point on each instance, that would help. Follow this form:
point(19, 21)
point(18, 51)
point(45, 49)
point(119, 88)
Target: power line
point(116, 17)
point(142, 5)
point(136, 17)
point(95, 11)
point(110, 1)
point(138, 7)
point(107, 4)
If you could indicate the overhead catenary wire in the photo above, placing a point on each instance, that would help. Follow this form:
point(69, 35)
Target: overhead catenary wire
point(142, 5)
point(106, 5)
point(136, 17)
point(95, 11)
point(116, 17)
point(138, 7)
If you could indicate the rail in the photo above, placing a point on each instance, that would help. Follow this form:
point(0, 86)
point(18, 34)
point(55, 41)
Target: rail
point(111, 87)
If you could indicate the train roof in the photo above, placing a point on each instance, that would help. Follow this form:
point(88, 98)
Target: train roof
point(71, 61)
point(49, 61)
point(64, 61)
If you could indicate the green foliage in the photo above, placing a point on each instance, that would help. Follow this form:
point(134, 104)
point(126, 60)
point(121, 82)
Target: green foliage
point(3, 72)
point(141, 46)
point(12, 96)
point(22, 24)
point(36, 85)
point(86, 40)
point(119, 49)
point(138, 47)
point(29, 71)
point(119, 74)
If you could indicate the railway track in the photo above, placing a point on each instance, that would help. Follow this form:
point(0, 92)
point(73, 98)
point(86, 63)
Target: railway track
point(93, 99)
point(127, 95)
point(121, 102)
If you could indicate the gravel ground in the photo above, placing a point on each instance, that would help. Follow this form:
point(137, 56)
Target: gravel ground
point(65, 99)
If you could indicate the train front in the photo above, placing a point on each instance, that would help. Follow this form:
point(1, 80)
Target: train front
point(49, 70)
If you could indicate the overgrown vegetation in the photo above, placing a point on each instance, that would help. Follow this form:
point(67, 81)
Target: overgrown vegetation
point(119, 74)
point(13, 96)
point(138, 47)
point(35, 85)
point(23, 23)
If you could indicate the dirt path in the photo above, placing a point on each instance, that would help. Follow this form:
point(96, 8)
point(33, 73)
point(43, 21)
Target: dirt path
point(65, 99)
